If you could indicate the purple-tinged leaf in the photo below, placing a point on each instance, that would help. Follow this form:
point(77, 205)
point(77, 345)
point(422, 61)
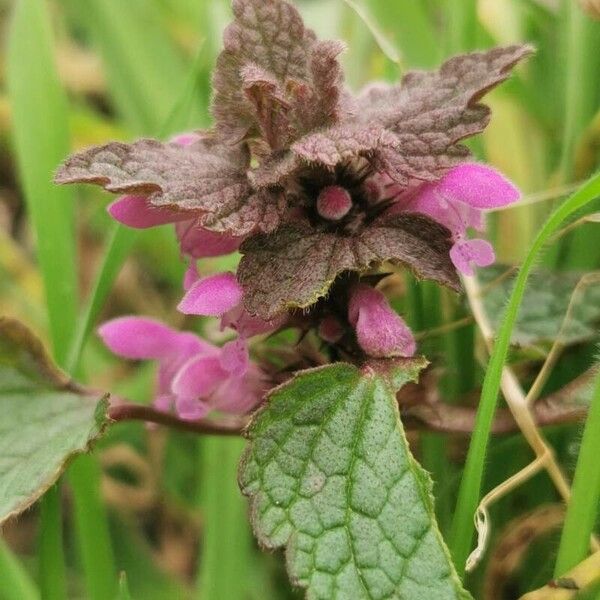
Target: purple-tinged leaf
point(296, 265)
point(275, 169)
point(432, 111)
point(344, 142)
point(202, 179)
point(270, 106)
point(327, 76)
point(269, 34)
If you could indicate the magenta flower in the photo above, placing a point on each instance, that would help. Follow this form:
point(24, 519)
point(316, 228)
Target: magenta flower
point(380, 331)
point(221, 295)
point(194, 376)
point(457, 201)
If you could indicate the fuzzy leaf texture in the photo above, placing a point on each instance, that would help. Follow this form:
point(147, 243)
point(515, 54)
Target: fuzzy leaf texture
point(296, 265)
point(545, 306)
point(430, 112)
point(331, 478)
point(205, 179)
point(46, 419)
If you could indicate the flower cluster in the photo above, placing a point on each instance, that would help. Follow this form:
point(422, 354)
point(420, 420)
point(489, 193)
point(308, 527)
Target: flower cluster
point(318, 188)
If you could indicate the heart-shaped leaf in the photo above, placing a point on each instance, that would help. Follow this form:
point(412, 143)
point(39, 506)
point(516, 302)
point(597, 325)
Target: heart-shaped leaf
point(46, 419)
point(331, 477)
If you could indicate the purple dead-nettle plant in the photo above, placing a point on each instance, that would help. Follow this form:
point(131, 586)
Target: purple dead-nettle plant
point(324, 192)
point(315, 185)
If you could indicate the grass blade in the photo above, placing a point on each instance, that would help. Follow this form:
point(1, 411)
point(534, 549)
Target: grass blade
point(52, 566)
point(141, 75)
point(92, 529)
point(462, 531)
point(16, 583)
point(582, 510)
point(119, 246)
point(37, 100)
point(226, 547)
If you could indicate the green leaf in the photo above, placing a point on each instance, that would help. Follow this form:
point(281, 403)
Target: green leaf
point(46, 420)
point(544, 306)
point(331, 477)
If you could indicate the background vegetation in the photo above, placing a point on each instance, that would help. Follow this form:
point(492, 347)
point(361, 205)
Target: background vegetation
point(163, 506)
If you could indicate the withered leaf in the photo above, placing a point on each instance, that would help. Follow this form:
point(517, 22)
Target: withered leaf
point(296, 265)
point(210, 183)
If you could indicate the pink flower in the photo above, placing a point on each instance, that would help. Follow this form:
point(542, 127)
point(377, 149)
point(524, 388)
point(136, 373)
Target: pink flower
point(193, 376)
point(380, 331)
point(195, 241)
point(220, 295)
point(457, 201)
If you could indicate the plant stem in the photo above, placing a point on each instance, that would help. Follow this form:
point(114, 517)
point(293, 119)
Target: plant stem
point(582, 510)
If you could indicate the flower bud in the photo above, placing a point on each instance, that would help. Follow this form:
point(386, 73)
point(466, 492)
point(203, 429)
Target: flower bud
point(331, 330)
point(334, 203)
point(380, 331)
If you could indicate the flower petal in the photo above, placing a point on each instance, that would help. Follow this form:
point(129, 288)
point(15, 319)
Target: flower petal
point(212, 296)
point(477, 185)
point(191, 276)
point(186, 139)
point(198, 378)
point(197, 242)
point(136, 212)
point(380, 331)
point(238, 396)
point(466, 253)
point(191, 409)
point(139, 338)
point(234, 358)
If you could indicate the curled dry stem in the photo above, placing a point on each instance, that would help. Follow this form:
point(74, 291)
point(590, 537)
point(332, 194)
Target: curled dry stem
point(559, 343)
point(516, 400)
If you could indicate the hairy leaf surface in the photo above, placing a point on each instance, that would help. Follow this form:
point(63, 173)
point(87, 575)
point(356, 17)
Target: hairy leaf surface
point(46, 419)
point(431, 111)
point(205, 179)
point(331, 478)
point(296, 265)
point(269, 34)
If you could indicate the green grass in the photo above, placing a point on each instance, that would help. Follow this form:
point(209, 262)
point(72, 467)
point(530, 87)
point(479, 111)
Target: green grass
point(37, 100)
point(583, 508)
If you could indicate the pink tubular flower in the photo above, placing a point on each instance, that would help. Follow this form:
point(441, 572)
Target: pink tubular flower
point(457, 201)
point(195, 241)
point(220, 295)
point(380, 331)
point(194, 376)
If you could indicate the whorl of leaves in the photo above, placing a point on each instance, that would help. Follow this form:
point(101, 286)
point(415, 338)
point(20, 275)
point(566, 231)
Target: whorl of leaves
point(282, 115)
